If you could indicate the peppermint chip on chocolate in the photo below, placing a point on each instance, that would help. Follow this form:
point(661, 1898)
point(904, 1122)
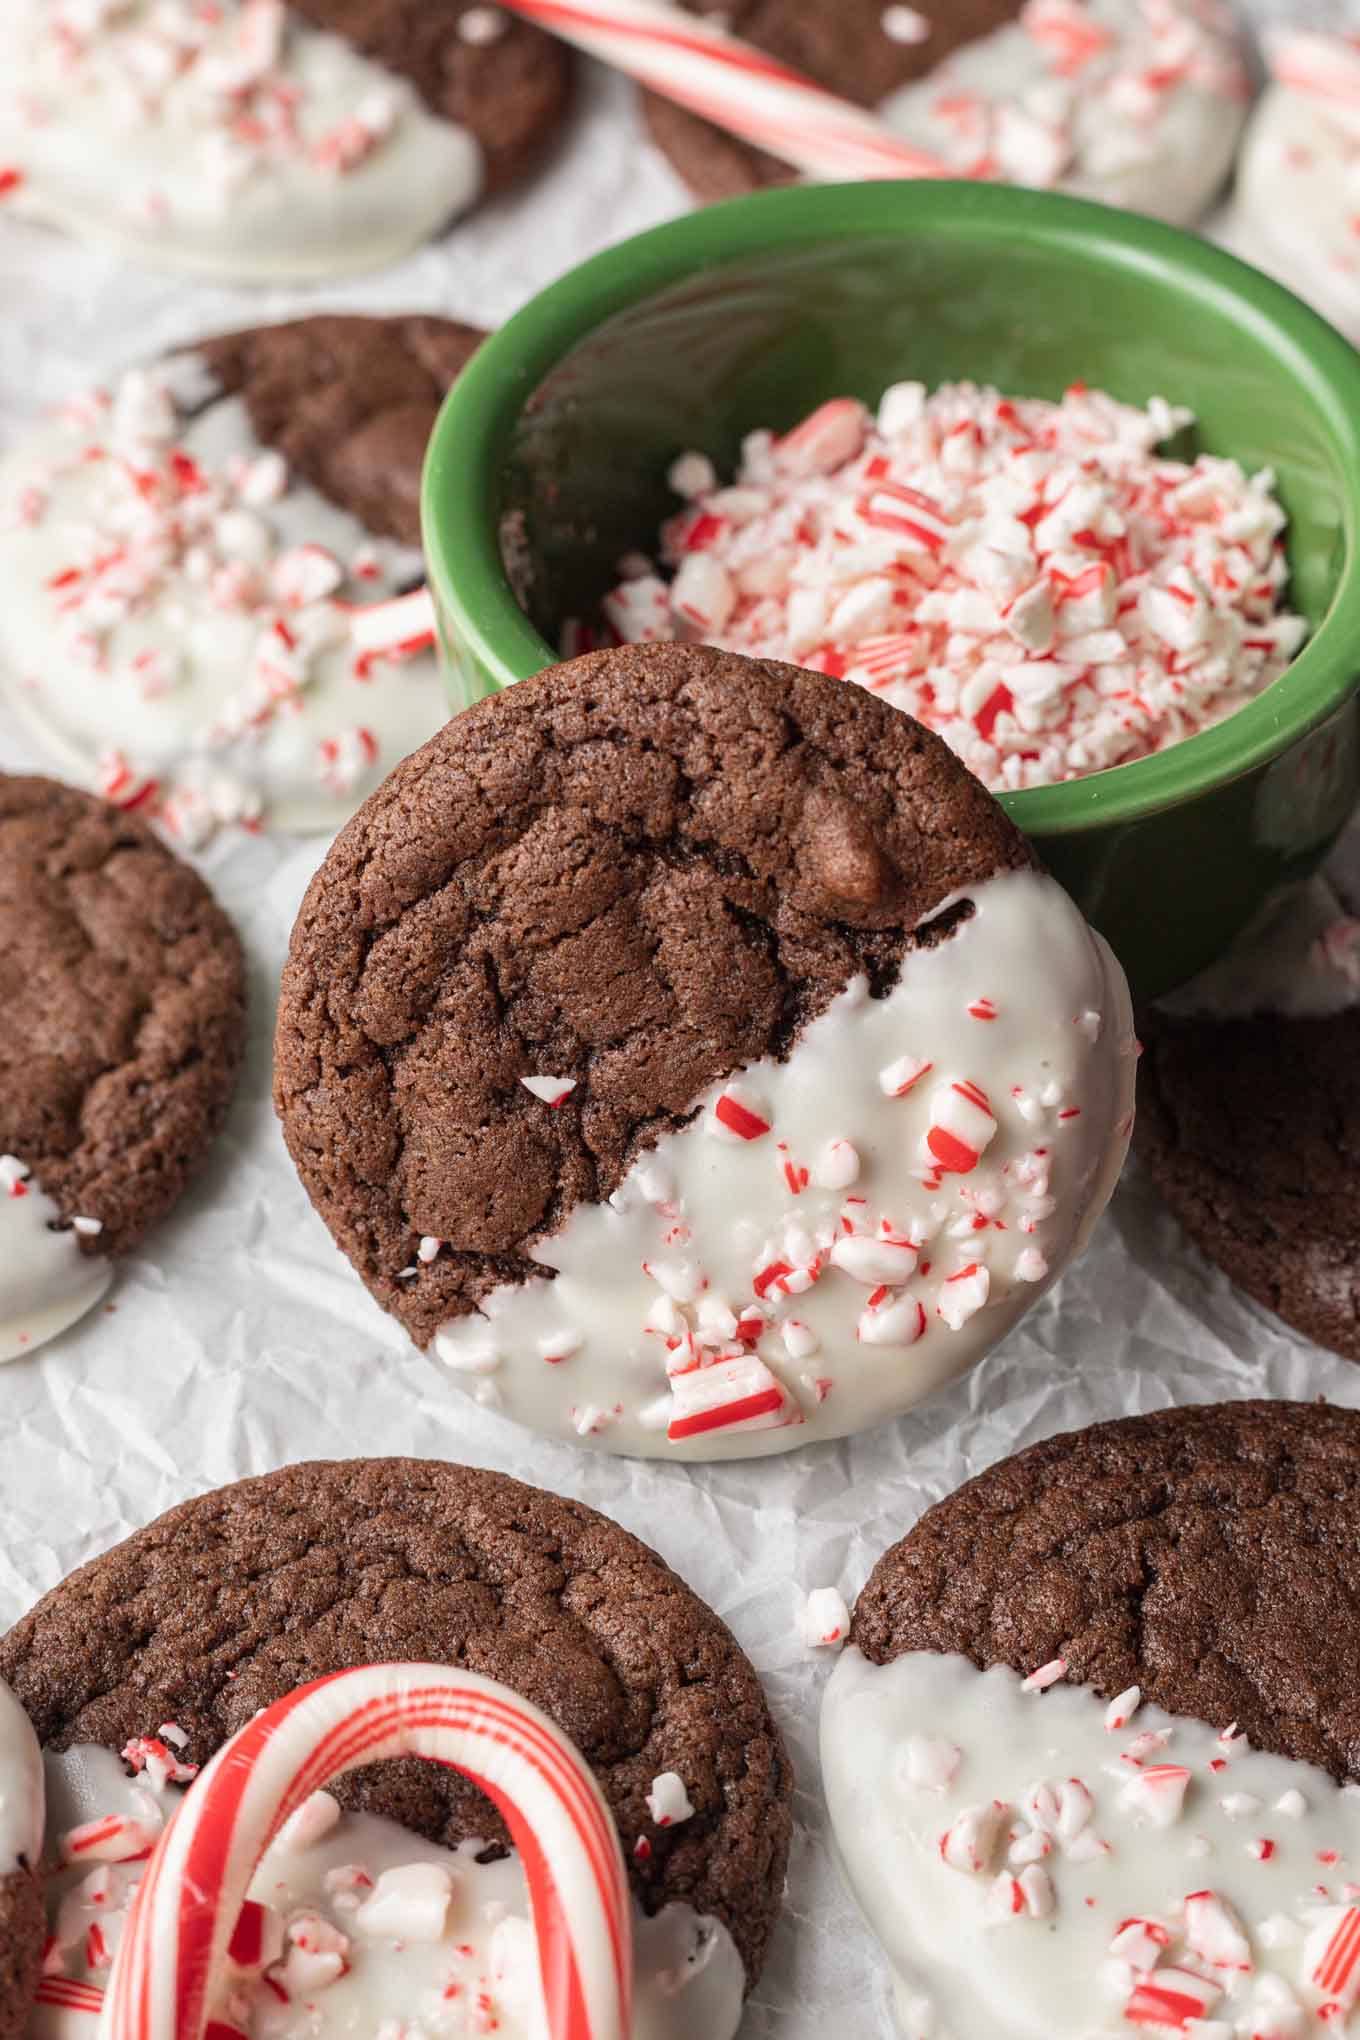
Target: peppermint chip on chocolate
point(1091, 1757)
point(257, 142)
point(123, 989)
point(208, 569)
point(1136, 102)
point(687, 1050)
point(395, 1885)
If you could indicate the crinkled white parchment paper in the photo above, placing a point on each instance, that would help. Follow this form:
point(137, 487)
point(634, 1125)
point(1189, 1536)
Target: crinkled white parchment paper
point(237, 1340)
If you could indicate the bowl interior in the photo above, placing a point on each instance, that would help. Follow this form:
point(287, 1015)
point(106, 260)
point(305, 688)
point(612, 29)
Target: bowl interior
point(677, 341)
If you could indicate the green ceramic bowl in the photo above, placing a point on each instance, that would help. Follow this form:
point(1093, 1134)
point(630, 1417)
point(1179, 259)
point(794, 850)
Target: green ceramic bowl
point(553, 446)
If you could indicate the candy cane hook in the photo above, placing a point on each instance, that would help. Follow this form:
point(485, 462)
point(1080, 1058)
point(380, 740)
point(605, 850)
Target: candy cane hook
point(182, 1917)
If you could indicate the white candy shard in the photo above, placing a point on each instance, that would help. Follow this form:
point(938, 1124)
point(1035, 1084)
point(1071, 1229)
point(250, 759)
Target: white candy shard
point(411, 1903)
point(668, 1802)
point(1156, 1794)
point(826, 1619)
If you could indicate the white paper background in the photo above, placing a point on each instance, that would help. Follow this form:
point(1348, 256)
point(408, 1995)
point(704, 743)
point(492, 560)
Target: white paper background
point(238, 1340)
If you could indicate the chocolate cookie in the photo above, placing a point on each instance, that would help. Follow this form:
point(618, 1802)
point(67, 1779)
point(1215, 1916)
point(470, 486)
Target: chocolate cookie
point(273, 144)
point(231, 1600)
point(204, 565)
point(349, 402)
point(1250, 1129)
point(521, 986)
point(22, 1926)
point(1104, 1696)
point(863, 51)
point(123, 988)
point(1199, 1554)
point(1114, 101)
point(505, 81)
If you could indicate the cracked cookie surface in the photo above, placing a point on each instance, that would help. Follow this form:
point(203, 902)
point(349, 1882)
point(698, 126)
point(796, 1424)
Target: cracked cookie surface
point(1250, 1130)
point(1200, 1554)
point(231, 1600)
point(639, 871)
point(123, 988)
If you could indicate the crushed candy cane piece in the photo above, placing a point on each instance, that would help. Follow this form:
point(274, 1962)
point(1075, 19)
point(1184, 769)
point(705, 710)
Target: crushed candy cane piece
point(826, 1619)
point(1033, 580)
point(668, 1802)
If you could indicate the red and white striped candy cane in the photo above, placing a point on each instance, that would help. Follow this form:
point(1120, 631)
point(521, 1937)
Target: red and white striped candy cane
point(65, 2010)
point(686, 58)
point(181, 1920)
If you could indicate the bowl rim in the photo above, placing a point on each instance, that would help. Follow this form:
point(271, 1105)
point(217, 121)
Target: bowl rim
point(459, 511)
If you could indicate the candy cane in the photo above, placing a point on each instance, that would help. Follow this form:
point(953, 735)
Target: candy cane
point(65, 2010)
point(186, 1907)
point(686, 58)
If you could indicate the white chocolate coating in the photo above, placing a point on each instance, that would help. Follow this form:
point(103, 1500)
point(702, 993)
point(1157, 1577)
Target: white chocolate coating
point(1148, 120)
point(168, 666)
point(435, 1942)
point(1298, 199)
point(633, 1345)
point(1017, 1941)
point(234, 143)
point(21, 1788)
point(46, 1280)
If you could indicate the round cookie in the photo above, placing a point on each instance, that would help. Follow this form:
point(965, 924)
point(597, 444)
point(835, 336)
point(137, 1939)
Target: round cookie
point(1298, 176)
point(123, 988)
point(234, 1598)
point(1084, 1754)
point(1132, 103)
point(203, 565)
point(688, 1050)
point(1250, 1129)
point(22, 1925)
point(256, 142)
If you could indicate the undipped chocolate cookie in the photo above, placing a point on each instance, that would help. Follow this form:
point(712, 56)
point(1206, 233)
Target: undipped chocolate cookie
point(687, 1048)
point(258, 142)
point(1128, 101)
point(204, 569)
point(1250, 1130)
point(123, 989)
point(164, 1647)
point(1084, 1754)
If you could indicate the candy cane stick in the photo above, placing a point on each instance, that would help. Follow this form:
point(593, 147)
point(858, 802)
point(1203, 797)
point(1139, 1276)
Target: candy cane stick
point(686, 58)
point(182, 1917)
point(65, 2010)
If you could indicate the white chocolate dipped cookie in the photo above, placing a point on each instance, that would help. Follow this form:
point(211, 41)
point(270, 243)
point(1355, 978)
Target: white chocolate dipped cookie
point(247, 142)
point(751, 1084)
point(123, 988)
point(352, 1921)
point(394, 1897)
point(1135, 102)
point(203, 567)
point(1088, 1759)
point(1297, 206)
point(46, 1281)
